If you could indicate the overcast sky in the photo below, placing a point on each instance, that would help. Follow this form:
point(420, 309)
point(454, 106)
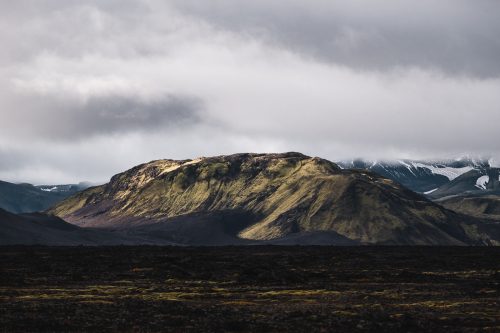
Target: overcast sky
point(91, 88)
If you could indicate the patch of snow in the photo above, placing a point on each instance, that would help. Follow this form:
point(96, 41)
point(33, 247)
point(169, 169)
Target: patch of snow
point(407, 166)
point(429, 192)
point(449, 172)
point(49, 189)
point(482, 181)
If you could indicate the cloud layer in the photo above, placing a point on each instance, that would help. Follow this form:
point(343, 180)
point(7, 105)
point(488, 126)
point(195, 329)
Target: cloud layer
point(90, 90)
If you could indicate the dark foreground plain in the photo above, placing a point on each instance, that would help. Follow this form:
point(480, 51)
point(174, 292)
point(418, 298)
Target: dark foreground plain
point(249, 289)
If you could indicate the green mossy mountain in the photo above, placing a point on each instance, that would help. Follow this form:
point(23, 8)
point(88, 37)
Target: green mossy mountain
point(262, 197)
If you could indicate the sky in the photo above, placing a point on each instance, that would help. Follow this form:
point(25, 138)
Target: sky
point(91, 88)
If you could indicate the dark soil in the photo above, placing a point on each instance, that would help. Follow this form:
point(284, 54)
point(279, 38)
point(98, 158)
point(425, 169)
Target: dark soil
point(249, 289)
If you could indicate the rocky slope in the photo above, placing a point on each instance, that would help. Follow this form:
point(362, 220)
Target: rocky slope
point(249, 197)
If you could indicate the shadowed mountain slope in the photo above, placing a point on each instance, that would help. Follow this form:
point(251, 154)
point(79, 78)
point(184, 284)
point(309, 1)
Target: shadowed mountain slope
point(266, 197)
point(37, 228)
point(486, 206)
point(26, 198)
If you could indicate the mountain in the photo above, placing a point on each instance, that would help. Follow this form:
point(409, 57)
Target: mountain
point(25, 198)
point(475, 182)
point(266, 197)
point(426, 177)
point(474, 193)
point(37, 228)
point(483, 206)
point(69, 189)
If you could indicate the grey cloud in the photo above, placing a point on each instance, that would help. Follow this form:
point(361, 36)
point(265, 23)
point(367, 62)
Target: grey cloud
point(11, 159)
point(69, 28)
point(455, 37)
point(88, 89)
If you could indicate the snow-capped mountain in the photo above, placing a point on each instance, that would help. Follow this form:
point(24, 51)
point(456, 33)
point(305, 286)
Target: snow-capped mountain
point(433, 178)
point(67, 188)
point(475, 182)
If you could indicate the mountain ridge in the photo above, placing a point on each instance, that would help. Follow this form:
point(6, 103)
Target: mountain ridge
point(276, 196)
point(27, 198)
point(429, 177)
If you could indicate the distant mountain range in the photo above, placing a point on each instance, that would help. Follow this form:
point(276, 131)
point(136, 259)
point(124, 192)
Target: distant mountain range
point(27, 198)
point(67, 188)
point(436, 179)
point(465, 185)
point(271, 199)
point(473, 183)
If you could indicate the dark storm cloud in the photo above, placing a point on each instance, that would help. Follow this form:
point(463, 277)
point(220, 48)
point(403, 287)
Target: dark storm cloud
point(457, 37)
point(118, 114)
point(62, 118)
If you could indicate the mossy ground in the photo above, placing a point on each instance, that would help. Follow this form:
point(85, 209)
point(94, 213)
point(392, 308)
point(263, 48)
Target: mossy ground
point(249, 289)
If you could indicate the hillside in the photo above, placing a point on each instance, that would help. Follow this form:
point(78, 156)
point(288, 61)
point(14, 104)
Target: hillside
point(26, 198)
point(487, 206)
point(265, 197)
point(37, 228)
